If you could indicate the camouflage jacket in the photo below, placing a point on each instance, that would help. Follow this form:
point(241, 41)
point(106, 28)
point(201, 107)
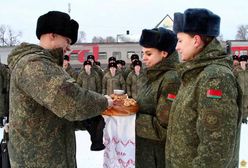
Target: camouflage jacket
point(127, 71)
point(242, 78)
point(71, 71)
point(155, 99)
point(91, 82)
point(134, 83)
point(4, 90)
point(204, 117)
point(44, 103)
point(109, 83)
point(99, 71)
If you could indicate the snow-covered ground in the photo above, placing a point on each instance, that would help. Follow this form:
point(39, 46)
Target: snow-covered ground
point(90, 159)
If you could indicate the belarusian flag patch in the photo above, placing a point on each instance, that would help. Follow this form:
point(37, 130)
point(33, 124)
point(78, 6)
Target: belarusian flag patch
point(215, 94)
point(171, 97)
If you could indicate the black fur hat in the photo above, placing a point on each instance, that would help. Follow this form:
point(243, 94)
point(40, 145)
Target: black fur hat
point(91, 57)
point(123, 63)
point(98, 63)
point(197, 20)
point(134, 56)
point(112, 64)
point(137, 62)
point(243, 58)
point(66, 57)
point(118, 61)
point(159, 38)
point(59, 23)
point(112, 59)
point(235, 57)
point(87, 62)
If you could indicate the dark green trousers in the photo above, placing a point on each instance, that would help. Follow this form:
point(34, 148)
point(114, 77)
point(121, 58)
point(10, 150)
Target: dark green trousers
point(149, 153)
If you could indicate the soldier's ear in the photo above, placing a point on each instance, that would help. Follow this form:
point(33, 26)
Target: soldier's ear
point(164, 54)
point(198, 43)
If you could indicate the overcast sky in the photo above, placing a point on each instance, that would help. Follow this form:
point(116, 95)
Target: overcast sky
point(112, 17)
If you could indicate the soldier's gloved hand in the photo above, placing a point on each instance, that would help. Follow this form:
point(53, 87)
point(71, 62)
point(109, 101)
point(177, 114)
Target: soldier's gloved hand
point(244, 120)
point(95, 128)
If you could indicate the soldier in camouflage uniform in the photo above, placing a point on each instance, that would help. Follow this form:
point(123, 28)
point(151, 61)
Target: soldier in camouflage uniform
point(95, 67)
point(156, 96)
point(4, 92)
point(242, 78)
point(205, 118)
point(45, 102)
point(236, 65)
point(130, 68)
point(110, 60)
point(135, 80)
point(89, 79)
point(112, 80)
point(68, 68)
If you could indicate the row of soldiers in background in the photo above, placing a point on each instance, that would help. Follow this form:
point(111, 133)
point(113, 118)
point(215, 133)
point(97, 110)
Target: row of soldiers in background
point(240, 71)
point(116, 76)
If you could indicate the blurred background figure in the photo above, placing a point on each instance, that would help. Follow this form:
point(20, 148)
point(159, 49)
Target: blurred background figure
point(89, 79)
point(135, 80)
point(112, 80)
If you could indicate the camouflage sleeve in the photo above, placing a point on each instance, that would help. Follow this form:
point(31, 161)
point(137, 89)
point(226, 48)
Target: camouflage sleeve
point(50, 86)
point(129, 85)
point(104, 85)
point(80, 80)
point(217, 120)
point(166, 95)
point(74, 74)
point(98, 83)
point(123, 83)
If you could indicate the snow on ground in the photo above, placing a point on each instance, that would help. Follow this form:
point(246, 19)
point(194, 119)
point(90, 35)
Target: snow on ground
point(85, 157)
point(243, 152)
point(92, 159)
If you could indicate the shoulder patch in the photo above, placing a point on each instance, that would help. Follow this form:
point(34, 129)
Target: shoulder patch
point(215, 94)
point(171, 96)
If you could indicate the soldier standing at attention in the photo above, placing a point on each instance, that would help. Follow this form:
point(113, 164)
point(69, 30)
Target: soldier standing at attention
point(236, 64)
point(204, 118)
point(135, 80)
point(89, 79)
point(155, 96)
point(112, 80)
point(45, 102)
point(242, 78)
point(95, 67)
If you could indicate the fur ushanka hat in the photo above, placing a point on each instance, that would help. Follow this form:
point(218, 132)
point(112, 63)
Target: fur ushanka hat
point(159, 38)
point(59, 23)
point(66, 57)
point(87, 62)
point(243, 58)
point(197, 21)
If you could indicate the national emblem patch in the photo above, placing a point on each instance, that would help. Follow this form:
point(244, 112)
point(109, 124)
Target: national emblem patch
point(215, 94)
point(171, 97)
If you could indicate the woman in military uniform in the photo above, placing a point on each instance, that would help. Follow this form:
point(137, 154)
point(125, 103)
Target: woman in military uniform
point(155, 96)
point(204, 118)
